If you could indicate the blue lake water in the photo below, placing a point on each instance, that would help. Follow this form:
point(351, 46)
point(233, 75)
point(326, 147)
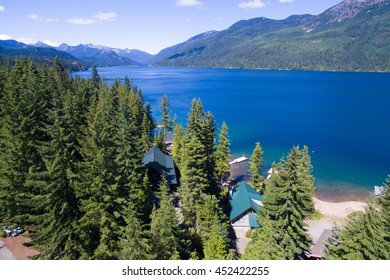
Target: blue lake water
point(344, 118)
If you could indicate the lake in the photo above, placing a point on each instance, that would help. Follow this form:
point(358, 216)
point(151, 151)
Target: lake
point(344, 118)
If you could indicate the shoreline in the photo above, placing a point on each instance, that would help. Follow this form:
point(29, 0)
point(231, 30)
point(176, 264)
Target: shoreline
point(339, 210)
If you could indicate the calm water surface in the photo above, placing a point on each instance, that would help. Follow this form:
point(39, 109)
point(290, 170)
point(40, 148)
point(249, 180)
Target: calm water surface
point(344, 118)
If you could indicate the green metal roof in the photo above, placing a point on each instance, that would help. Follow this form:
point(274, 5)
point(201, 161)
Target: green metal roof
point(242, 200)
point(253, 221)
point(161, 163)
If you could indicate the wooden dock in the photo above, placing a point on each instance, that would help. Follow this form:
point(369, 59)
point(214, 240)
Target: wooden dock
point(238, 160)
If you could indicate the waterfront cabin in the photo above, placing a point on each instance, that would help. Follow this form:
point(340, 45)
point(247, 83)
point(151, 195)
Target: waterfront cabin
point(159, 164)
point(318, 250)
point(244, 203)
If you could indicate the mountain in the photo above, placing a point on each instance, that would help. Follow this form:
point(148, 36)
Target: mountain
point(101, 56)
point(40, 44)
point(351, 36)
point(132, 54)
point(171, 51)
point(106, 56)
point(10, 49)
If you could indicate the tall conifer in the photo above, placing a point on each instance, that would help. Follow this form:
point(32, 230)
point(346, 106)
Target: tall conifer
point(222, 154)
point(255, 167)
point(165, 234)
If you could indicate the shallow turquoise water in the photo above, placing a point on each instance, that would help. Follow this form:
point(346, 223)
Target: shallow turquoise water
point(343, 118)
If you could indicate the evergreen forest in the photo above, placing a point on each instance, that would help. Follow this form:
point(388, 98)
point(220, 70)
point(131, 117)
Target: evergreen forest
point(72, 173)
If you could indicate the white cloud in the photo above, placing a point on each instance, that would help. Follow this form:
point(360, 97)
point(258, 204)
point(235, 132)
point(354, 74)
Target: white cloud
point(216, 19)
point(2, 8)
point(38, 18)
point(286, 1)
point(82, 21)
point(187, 3)
point(5, 37)
point(253, 4)
point(105, 16)
point(33, 16)
point(98, 18)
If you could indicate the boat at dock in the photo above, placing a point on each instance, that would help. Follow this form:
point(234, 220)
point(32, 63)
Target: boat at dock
point(238, 160)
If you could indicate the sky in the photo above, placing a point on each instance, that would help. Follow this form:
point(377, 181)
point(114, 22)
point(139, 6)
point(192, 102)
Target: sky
point(148, 25)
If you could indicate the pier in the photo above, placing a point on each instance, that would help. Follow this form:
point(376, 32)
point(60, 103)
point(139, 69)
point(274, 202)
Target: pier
point(238, 160)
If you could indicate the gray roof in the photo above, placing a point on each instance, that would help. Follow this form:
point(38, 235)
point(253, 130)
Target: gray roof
point(161, 163)
point(319, 248)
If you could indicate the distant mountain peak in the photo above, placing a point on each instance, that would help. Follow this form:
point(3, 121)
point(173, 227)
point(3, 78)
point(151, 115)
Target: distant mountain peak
point(40, 44)
point(345, 10)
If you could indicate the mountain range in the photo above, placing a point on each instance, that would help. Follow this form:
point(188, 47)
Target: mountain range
point(351, 36)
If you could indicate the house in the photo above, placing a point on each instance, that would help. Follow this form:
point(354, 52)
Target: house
point(318, 249)
point(158, 164)
point(244, 202)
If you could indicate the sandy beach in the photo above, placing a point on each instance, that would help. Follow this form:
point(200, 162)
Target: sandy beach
point(333, 214)
point(338, 209)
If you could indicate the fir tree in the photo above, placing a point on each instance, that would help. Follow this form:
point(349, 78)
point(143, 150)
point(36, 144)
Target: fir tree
point(24, 106)
point(178, 144)
point(193, 182)
point(165, 234)
point(264, 244)
point(135, 244)
point(363, 238)
point(147, 127)
point(216, 247)
point(222, 154)
point(285, 200)
point(201, 126)
point(95, 78)
point(256, 164)
point(102, 194)
point(58, 232)
point(165, 114)
point(159, 141)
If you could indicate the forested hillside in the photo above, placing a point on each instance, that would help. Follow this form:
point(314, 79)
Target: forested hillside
point(351, 36)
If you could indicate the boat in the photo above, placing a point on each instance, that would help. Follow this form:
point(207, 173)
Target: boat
point(238, 160)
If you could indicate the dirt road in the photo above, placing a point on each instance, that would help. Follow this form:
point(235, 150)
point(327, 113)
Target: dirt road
point(5, 253)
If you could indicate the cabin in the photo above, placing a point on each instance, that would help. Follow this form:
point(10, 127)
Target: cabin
point(159, 164)
point(244, 203)
point(318, 250)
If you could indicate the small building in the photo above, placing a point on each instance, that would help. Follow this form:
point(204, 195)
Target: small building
point(158, 164)
point(244, 202)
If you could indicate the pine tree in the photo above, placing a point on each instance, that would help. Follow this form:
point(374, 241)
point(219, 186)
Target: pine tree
point(365, 236)
point(102, 194)
point(159, 141)
point(216, 247)
point(178, 144)
point(362, 238)
point(165, 113)
point(285, 200)
point(95, 78)
point(147, 127)
point(201, 125)
point(385, 205)
point(222, 154)
point(264, 244)
point(135, 244)
point(256, 164)
point(165, 234)
point(24, 106)
point(193, 182)
point(59, 222)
